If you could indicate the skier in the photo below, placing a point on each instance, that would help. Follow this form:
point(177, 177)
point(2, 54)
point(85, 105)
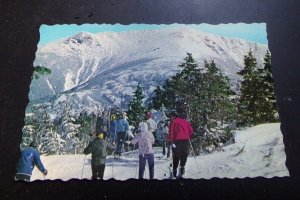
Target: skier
point(28, 159)
point(152, 126)
point(102, 124)
point(180, 132)
point(145, 140)
point(99, 149)
point(122, 127)
point(162, 137)
point(112, 129)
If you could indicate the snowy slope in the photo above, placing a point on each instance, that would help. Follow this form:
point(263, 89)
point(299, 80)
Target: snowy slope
point(103, 68)
point(257, 142)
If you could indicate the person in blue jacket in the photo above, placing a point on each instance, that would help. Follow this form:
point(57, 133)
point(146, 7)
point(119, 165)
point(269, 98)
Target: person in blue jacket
point(29, 158)
point(122, 127)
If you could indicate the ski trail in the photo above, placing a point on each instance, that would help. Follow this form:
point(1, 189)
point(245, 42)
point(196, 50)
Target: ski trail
point(50, 86)
point(80, 69)
point(94, 69)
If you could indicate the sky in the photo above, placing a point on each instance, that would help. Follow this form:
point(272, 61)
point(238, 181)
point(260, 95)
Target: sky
point(255, 32)
point(247, 157)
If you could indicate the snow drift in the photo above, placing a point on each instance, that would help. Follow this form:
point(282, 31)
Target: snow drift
point(257, 151)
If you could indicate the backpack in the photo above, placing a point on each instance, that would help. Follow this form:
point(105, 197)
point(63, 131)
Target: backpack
point(101, 124)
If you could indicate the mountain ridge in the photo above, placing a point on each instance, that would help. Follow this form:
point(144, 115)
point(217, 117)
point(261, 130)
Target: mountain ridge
point(107, 66)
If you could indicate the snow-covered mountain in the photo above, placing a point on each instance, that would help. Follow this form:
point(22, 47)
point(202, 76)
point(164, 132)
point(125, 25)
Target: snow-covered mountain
point(258, 152)
point(96, 70)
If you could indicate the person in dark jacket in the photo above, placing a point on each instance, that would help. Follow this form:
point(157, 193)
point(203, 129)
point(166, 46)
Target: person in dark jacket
point(180, 132)
point(99, 149)
point(162, 136)
point(102, 124)
point(29, 158)
point(112, 130)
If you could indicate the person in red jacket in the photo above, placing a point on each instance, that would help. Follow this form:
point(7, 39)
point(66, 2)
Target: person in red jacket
point(180, 132)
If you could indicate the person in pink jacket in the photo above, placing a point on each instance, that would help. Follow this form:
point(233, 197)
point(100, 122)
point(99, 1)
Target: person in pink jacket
point(180, 132)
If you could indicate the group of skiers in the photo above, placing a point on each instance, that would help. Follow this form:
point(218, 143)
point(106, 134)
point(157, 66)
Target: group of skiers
point(175, 136)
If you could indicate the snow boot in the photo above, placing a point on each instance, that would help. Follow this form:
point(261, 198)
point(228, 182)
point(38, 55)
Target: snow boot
point(174, 173)
point(182, 171)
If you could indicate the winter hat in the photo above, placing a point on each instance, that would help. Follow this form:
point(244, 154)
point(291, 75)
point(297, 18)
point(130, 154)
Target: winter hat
point(181, 112)
point(119, 115)
point(100, 135)
point(143, 127)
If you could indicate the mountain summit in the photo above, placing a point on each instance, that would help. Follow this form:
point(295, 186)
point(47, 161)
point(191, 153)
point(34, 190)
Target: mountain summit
point(103, 69)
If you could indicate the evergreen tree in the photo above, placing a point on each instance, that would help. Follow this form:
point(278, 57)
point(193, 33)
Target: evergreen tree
point(212, 107)
point(40, 70)
point(218, 94)
point(183, 89)
point(187, 81)
point(136, 108)
point(249, 101)
point(266, 95)
point(169, 94)
point(158, 99)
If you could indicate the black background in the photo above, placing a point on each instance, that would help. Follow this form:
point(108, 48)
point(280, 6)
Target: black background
point(20, 21)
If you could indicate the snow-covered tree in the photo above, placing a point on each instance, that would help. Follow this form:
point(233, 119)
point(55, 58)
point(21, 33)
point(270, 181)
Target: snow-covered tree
point(69, 131)
point(40, 128)
point(257, 103)
point(86, 122)
point(267, 106)
point(218, 94)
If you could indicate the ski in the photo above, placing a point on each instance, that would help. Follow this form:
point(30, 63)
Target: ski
point(117, 157)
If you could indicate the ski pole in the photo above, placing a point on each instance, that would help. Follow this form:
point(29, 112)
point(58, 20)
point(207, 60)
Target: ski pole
point(112, 167)
point(137, 165)
point(194, 156)
point(83, 166)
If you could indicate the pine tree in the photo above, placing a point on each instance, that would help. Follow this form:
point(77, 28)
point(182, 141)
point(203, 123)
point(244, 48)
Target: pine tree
point(248, 101)
point(212, 107)
point(158, 99)
point(187, 80)
point(219, 105)
point(169, 94)
point(266, 95)
point(180, 89)
point(136, 109)
point(185, 87)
